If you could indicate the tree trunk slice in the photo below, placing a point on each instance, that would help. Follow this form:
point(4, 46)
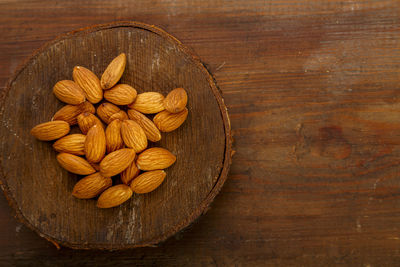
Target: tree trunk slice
point(40, 190)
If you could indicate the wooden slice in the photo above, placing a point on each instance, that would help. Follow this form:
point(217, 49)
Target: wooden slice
point(40, 190)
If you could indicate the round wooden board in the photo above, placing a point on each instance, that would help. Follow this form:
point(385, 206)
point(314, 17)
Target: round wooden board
point(40, 190)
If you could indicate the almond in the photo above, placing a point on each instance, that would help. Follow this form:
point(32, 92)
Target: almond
point(114, 196)
point(91, 186)
point(113, 72)
point(95, 144)
point(148, 181)
point(120, 115)
point(148, 103)
point(75, 164)
point(167, 121)
point(121, 94)
point(69, 113)
point(149, 128)
point(87, 120)
point(116, 162)
point(176, 100)
point(69, 92)
point(73, 144)
point(155, 158)
point(106, 110)
point(50, 130)
point(133, 136)
point(89, 83)
point(130, 173)
point(113, 136)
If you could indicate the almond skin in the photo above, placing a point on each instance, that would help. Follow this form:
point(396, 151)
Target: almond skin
point(117, 161)
point(50, 130)
point(86, 121)
point(75, 164)
point(69, 92)
point(176, 100)
point(130, 173)
point(70, 113)
point(167, 122)
point(73, 144)
point(120, 115)
point(113, 136)
point(148, 181)
point(133, 136)
point(91, 186)
point(149, 128)
point(148, 103)
point(95, 144)
point(113, 72)
point(121, 94)
point(106, 110)
point(114, 196)
point(155, 158)
point(89, 83)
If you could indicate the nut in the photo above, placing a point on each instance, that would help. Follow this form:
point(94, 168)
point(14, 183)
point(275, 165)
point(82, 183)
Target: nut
point(129, 173)
point(106, 110)
point(167, 122)
point(50, 130)
point(69, 92)
point(116, 162)
point(148, 181)
point(113, 72)
point(70, 113)
point(148, 103)
point(176, 100)
point(120, 94)
point(149, 128)
point(155, 158)
point(75, 164)
point(95, 144)
point(114, 196)
point(73, 144)
point(91, 186)
point(133, 136)
point(113, 136)
point(89, 83)
point(86, 121)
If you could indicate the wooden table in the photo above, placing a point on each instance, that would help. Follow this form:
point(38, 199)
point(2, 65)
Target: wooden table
point(313, 91)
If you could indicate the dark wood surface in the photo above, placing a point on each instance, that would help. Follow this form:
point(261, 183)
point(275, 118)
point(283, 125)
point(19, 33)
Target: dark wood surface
point(40, 190)
point(312, 88)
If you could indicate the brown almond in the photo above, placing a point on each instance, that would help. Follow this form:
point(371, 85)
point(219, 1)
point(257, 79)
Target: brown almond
point(133, 135)
point(95, 144)
point(167, 121)
point(69, 92)
point(75, 164)
point(149, 128)
point(106, 110)
point(69, 113)
point(120, 115)
point(89, 83)
point(113, 136)
point(130, 173)
point(148, 181)
point(121, 94)
point(91, 186)
point(87, 120)
point(73, 144)
point(114, 196)
point(113, 72)
point(176, 100)
point(155, 158)
point(148, 103)
point(50, 130)
point(117, 161)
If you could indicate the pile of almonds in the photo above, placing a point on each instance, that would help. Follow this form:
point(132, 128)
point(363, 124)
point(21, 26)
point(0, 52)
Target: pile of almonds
point(115, 141)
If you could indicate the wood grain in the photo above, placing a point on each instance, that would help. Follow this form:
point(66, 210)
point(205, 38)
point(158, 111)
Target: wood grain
point(40, 190)
point(312, 89)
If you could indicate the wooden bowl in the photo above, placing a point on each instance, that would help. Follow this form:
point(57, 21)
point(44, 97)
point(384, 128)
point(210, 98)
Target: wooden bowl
point(40, 190)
